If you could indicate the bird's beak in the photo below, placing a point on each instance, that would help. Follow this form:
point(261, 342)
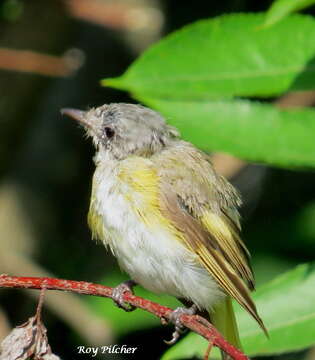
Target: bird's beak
point(77, 115)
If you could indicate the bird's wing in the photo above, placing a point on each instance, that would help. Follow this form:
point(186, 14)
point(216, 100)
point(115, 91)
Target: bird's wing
point(203, 207)
point(179, 188)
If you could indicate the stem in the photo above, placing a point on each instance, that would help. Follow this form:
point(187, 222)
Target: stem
point(193, 322)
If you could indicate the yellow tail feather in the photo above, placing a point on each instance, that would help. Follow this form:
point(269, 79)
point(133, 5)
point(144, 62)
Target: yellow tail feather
point(223, 318)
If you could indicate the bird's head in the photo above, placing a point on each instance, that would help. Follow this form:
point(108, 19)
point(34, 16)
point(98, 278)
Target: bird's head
point(120, 130)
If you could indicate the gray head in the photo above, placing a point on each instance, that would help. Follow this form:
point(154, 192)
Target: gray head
point(125, 129)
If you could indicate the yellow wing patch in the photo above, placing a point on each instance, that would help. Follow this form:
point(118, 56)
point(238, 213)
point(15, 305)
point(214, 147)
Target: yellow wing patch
point(210, 237)
point(143, 193)
point(230, 244)
point(217, 226)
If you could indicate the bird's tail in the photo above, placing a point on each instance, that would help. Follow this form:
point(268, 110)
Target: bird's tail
point(223, 318)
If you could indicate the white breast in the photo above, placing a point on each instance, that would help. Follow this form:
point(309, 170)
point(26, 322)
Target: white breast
point(152, 256)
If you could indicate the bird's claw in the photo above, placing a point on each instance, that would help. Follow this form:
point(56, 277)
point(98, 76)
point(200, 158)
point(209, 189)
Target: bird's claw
point(118, 295)
point(179, 327)
point(175, 336)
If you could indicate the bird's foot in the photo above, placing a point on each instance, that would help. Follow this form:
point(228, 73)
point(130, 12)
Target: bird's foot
point(118, 294)
point(175, 319)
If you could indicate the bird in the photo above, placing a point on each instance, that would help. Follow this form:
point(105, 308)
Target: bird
point(169, 218)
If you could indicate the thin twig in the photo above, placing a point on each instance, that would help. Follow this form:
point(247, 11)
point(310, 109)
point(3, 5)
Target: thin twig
point(192, 322)
point(40, 302)
point(208, 351)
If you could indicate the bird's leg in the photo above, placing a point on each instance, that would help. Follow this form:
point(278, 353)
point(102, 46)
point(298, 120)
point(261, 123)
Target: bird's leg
point(118, 294)
point(175, 319)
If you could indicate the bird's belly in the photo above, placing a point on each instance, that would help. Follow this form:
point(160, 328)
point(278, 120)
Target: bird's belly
point(153, 256)
point(161, 264)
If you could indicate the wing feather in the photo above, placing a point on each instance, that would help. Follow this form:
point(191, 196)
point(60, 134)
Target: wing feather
point(203, 208)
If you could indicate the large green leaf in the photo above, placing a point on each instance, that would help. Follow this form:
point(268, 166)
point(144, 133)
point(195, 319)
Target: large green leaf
point(287, 305)
point(226, 56)
point(252, 131)
point(282, 8)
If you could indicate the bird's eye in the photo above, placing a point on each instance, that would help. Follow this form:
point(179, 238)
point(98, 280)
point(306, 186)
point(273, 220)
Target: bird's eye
point(109, 132)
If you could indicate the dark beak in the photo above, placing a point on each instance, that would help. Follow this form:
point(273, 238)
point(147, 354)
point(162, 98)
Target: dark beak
point(75, 114)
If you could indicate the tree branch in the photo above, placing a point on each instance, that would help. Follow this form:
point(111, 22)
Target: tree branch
point(193, 322)
point(42, 64)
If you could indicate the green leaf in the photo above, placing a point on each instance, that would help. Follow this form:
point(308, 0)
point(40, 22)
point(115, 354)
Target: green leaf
point(287, 306)
point(249, 130)
point(226, 56)
point(282, 8)
point(121, 322)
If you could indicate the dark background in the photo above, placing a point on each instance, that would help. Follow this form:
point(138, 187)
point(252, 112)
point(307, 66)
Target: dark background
point(46, 164)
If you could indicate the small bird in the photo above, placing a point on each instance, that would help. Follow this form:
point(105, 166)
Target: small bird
point(170, 220)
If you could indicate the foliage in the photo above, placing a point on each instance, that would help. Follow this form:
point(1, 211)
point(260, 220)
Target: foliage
point(281, 8)
point(226, 57)
point(251, 130)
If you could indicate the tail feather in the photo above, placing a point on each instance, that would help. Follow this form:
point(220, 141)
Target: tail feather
point(223, 318)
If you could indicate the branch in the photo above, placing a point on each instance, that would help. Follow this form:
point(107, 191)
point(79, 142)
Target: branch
point(193, 322)
point(33, 62)
point(116, 15)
